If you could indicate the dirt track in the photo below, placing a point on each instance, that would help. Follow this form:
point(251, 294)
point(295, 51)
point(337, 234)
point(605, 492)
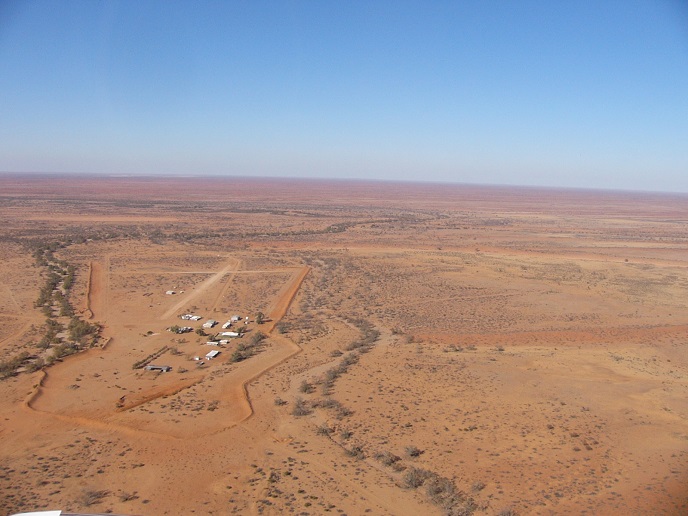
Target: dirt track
point(232, 265)
point(17, 334)
point(280, 307)
point(97, 290)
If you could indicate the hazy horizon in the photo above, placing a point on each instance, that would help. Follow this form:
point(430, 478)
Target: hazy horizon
point(410, 182)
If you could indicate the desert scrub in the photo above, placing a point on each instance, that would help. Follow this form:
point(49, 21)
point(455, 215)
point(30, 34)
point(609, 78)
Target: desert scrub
point(306, 387)
point(440, 490)
point(301, 408)
point(125, 496)
point(248, 349)
point(356, 452)
point(414, 451)
point(79, 330)
point(92, 496)
point(387, 458)
point(9, 367)
point(333, 373)
point(477, 486)
point(415, 477)
point(323, 429)
point(328, 403)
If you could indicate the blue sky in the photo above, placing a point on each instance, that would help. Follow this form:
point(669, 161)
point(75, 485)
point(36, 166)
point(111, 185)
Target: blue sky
point(576, 94)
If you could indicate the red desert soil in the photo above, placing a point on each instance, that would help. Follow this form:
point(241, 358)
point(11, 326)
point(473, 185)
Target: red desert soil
point(426, 349)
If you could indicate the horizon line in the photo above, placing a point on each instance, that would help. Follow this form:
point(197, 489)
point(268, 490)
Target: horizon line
point(166, 175)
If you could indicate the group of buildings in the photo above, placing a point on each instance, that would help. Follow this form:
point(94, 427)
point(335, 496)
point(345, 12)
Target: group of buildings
point(220, 339)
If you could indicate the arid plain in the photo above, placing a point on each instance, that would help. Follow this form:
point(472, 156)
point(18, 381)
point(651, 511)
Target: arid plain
point(425, 348)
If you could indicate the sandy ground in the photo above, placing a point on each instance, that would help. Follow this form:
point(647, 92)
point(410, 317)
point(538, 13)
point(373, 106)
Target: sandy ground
point(531, 349)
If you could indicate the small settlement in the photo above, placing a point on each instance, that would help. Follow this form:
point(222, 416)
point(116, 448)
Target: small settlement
point(220, 339)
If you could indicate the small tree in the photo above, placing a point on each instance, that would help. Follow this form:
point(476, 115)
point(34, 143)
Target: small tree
point(260, 317)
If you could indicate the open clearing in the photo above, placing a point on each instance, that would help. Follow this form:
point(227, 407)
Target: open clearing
point(424, 349)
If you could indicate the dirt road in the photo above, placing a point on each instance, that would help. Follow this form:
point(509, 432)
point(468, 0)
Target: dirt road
point(232, 266)
point(280, 307)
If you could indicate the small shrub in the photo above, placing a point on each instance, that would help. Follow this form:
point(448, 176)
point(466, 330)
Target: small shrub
point(478, 486)
point(323, 429)
point(441, 491)
point(343, 412)
point(247, 350)
point(356, 452)
point(301, 408)
point(127, 497)
point(282, 327)
point(414, 478)
point(413, 451)
point(91, 497)
point(387, 458)
point(327, 403)
point(306, 387)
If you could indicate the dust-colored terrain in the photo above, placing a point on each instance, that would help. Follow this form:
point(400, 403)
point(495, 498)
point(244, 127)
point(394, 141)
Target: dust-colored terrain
point(425, 349)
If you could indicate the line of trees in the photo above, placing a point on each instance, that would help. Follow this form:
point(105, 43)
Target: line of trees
point(54, 300)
